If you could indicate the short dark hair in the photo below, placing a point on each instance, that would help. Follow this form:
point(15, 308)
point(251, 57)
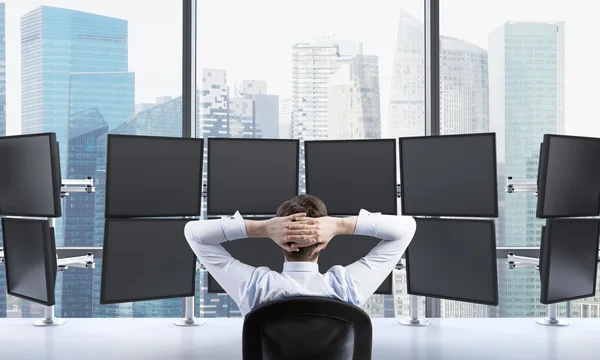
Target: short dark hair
point(313, 207)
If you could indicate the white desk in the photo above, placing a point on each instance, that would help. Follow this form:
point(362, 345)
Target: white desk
point(449, 339)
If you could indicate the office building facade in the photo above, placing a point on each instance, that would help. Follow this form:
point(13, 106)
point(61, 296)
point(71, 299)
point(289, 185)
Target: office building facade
point(312, 66)
point(464, 95)
point(62, 53)
point(285, 117)
point(353, 100)
point(527, 97)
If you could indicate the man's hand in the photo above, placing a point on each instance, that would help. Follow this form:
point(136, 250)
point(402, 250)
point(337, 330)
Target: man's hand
point(328, 227)
point(289, 232)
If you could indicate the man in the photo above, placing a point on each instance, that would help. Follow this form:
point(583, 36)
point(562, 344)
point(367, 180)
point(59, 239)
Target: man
point(302, 228)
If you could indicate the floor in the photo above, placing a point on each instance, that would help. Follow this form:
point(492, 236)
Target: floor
point(460, 339)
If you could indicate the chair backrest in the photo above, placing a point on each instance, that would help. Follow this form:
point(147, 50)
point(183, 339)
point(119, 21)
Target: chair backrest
point(307, 328)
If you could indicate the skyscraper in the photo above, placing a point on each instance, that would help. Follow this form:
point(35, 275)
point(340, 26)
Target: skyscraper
point(527, 97)
point(353, 100)
point(463, 84)
point(265, 108)
point(285, 117)
point(312, 65)
point(65, 55)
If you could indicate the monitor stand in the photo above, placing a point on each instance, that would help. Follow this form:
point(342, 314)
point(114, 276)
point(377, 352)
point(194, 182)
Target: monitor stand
point(49, 318)
point(413, 316)
point(188, 318)
point(551, 319)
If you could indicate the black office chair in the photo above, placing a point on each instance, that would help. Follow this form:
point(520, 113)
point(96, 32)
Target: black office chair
point(307, 328)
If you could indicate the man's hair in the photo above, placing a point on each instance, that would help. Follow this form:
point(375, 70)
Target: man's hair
point(313, 207)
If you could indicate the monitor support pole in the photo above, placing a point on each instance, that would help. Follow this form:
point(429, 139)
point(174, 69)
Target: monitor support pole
point(521, 185)
point(522, 261)
point(86, 262)
point(188, 318)
point(413, 315)
point(72, 186)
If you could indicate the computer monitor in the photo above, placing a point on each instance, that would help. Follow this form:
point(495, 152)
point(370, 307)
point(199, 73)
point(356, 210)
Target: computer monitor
point(30, 179)
point(252, 176)
point(30, 259)
point(569, 259)
point(350, 175)
point(569, 177)
point(146, 259)
point(149, 176)
point(450, 175)
point(454, 259)
point(342, 250)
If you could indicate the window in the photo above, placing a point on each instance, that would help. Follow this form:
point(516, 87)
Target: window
point(511, 77)
point(356, 84)
point(86, 69)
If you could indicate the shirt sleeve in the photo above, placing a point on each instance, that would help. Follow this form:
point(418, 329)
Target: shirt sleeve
point(205, 238)
point(369, 272)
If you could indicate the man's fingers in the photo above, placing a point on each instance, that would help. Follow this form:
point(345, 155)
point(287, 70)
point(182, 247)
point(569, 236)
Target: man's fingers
point(319, 248)
point(307, 238)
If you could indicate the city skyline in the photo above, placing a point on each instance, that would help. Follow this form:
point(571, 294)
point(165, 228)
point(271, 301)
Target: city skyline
point(249, 110)
point(154, 80)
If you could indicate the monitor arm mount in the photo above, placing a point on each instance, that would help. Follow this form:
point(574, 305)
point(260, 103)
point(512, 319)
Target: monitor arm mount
point(68, 186)
point(521, 185)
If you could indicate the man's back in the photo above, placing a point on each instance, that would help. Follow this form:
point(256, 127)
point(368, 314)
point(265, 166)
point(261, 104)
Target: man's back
point(250, 286)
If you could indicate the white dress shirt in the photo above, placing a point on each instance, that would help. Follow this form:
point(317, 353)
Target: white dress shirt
point(251, 286)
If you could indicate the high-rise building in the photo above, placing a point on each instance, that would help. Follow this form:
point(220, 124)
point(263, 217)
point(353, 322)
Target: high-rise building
point(353, 100)
point(285, 117)
point(97, 102)
point(214, 102)
point(527, 97)
point(312, 65)
point(265, 108)
point(463, 84)
point(62, 53)
point(2, 133)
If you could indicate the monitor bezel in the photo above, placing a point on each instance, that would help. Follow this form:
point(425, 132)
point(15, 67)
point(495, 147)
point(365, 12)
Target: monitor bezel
point(103, 273)
point(545, 263)
point(210, 209)
point(544, 161)
point(108, 182)
point(55, 174)
point(493, 261)
point(493, 214)
point(393, 194)
point(49, 251)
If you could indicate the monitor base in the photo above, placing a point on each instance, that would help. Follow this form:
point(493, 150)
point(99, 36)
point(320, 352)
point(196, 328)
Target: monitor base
point(49, 322)
point(414, 322)
point(189, 322)
point(552, 322)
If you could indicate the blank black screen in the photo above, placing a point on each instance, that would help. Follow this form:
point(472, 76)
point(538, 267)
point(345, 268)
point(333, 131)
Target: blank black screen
point(569, 183)
point(570, 259)
point(146, 259)
point(454, 259)
point(342, 250)
point(351, 175)
point(153, 176)
point(30, 176)
point(252, 176)
point(449, 175)
point(30, 260)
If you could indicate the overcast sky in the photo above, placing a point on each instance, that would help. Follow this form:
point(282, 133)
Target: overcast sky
point(253, 40)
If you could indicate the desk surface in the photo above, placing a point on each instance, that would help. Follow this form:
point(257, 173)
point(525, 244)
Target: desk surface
point(451, 339)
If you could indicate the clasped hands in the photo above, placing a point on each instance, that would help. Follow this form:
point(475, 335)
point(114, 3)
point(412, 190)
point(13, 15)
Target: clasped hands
point(297, 231)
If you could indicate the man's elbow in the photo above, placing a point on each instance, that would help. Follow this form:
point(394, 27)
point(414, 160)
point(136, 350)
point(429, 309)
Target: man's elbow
point(409, 229)
point(188, 232)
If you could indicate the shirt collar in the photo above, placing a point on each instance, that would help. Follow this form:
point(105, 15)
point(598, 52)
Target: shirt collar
point(300, 266)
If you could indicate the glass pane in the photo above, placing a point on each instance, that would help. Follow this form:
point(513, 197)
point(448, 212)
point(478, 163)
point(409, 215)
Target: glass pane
point(272, 74)
point(87, 69)
point(510, 77)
